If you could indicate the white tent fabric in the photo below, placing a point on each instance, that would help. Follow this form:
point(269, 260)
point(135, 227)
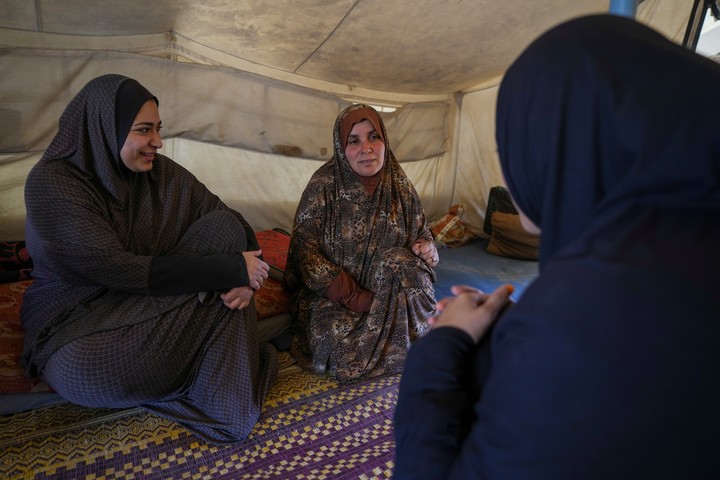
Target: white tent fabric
point(254, 132)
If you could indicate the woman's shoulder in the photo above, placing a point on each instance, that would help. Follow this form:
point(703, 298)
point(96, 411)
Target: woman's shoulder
point(55, 174)
point(166, 167)
point(324, 175)
point(327, 169)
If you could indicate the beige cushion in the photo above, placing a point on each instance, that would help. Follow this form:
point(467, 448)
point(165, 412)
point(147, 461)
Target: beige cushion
point(509, 238)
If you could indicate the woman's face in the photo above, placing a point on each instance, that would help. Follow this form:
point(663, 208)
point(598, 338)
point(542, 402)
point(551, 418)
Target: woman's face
point(143, 140)
point(365, 149)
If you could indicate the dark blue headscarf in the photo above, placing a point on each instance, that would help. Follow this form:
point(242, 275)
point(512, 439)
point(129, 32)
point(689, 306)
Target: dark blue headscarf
point(602, 121)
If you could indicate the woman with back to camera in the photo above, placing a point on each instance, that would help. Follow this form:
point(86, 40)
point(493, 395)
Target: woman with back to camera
point(143, 277)
point(608, 366)
point(361, 259)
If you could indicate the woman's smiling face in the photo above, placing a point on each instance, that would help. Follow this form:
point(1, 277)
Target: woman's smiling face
point(365, 149)
point(143, 140)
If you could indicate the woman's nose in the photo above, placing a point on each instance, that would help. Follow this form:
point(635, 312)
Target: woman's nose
point(156, 140)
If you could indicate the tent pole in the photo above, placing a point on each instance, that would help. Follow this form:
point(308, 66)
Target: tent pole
point(695, 23)
point(623, 7)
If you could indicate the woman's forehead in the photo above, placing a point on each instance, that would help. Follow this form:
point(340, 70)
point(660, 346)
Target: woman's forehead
point(363, 126)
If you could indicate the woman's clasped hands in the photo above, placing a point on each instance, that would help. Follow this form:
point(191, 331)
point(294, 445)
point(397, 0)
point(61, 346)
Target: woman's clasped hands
point(257, 270)
point(427, 251)
point(471, 310)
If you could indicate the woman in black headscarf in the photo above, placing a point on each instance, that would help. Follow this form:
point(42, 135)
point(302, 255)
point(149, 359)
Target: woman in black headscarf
point(129, 250)
point(609, 365)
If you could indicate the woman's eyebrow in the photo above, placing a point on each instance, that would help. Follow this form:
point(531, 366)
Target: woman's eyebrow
point(357, 135)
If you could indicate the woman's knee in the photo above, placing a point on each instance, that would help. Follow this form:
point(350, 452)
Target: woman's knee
point(215, 232)
point(402, 265)
point(397, 259)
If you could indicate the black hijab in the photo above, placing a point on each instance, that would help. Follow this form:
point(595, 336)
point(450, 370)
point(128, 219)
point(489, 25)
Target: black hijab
point(131, 96)
point(602, 121)
point(93, 129)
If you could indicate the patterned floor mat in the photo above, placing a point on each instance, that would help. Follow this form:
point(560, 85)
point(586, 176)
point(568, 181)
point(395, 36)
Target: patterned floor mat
point(311, 427)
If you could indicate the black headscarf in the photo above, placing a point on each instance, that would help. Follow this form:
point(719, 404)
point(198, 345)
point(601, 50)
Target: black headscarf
point(131, 96)
point(92, 131)
point(602, 120)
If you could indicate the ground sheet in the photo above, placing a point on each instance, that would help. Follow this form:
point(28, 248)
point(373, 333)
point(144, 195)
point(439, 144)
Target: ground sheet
point(311, 427)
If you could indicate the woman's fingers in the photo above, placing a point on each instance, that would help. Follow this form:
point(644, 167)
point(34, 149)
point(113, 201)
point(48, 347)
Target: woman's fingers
point(427, 251)
point(458, 289)
point(471, 310)
point(237, 298)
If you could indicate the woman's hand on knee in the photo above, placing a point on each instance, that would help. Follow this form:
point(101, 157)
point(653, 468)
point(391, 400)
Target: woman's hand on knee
point(237, 298)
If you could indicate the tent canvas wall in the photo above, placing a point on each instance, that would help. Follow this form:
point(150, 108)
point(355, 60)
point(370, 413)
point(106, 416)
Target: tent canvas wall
point(249, 90)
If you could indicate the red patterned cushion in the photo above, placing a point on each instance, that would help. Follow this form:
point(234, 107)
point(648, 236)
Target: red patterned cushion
point(450, 230)
point(271, 299)
point(274, 245)
point(12, 375)
point(15, 262)
point(14, 256)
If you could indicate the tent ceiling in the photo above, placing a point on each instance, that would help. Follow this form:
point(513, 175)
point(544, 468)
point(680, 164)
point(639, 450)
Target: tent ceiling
point(414, 47)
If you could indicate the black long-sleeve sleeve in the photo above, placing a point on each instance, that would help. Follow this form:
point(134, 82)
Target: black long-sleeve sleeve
point(435, 406)
point(172, 275)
